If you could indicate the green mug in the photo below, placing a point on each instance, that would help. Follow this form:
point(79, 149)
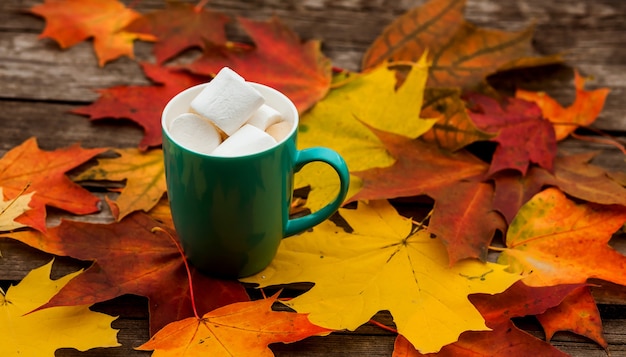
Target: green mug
point(230, 213)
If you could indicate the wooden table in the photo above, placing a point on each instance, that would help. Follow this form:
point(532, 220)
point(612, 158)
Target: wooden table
point(39, 84)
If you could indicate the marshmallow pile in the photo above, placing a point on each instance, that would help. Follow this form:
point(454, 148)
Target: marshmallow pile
point(229, 118)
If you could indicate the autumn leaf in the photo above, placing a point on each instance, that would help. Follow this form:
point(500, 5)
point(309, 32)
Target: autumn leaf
point(425, 169)
point(180, 26)
point(384, 264)
point(142, 104)
point(130, 259)
point(573, 174)
point(239, 329)
point(11, 209)
point(278, 59)
point(419, 169)
point(512, 189)
point(144, 173)
point(372, 98)
point(583, 112)
point(41, 333)
point(505, 339)
point(523, 135)
point(462, 53)
point(454, 129)
point(464, 219)
point(577, 313)
point(43, 172)
point(554, 240)
point(69, 22)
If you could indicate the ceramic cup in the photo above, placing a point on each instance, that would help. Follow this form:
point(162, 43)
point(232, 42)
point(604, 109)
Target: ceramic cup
point(230, 213)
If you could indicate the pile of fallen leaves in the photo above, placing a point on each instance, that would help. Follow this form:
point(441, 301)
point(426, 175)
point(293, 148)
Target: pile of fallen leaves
point(419, 125)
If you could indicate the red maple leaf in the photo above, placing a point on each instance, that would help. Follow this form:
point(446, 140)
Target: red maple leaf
point(142, 104)
point(181, 26)
point(523, 135)
point(505, 339)
point(26, 168)
point(279, 59)
point(129, 258)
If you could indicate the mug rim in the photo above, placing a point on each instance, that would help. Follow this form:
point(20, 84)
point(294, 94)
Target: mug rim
point(262, 88)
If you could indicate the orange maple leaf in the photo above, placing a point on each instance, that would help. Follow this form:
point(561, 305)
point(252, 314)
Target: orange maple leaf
point(577, 313)
point(584, 111)
point(239, 329)
point(554, 240)
point(71, 21)
point(43, 172)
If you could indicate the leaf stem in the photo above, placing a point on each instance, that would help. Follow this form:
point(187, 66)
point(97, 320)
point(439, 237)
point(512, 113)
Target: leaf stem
point(15, 199)
point(497, 249)
point(190, 280)
point(383, 326)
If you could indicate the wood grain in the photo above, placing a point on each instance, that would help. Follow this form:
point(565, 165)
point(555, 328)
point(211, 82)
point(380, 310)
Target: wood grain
point(40, 84)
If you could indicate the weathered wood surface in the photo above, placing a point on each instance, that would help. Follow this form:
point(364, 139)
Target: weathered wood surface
point(39, 84)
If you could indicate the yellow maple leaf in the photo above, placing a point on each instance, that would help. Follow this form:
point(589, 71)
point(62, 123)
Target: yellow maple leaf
point(144, 173)
point(384, 264)
point(42, 332)
point(11, 209)
point(371, 98)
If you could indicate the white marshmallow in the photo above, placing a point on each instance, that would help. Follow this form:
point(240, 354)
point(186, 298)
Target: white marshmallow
point(280, 130)
point(264, 117)
point(227, 100)
point(194, 133)
point(245, 141)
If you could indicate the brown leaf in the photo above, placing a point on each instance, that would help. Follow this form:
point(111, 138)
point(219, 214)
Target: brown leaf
point(130, 259)
point(462, 54)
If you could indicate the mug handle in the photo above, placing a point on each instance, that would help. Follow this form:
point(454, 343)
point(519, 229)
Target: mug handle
point(333, 159)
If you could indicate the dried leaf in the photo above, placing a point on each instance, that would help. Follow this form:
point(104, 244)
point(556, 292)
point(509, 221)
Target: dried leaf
point(371, 98)
point(142, 104)
point(180, 26)
point(71, 21)
point(383, 265)
point(583, 112)
point(454, 129)
point(577, 313)
point(43, 172)
point(523, 135)
point(130, 259)
point(11, 209)
point(278, 59)
point(239, 329)
point(554, 240)
point(41, 333)
point(462, 54)
point(144, 173)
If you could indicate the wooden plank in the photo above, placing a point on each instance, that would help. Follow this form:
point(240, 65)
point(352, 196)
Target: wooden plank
point(590, 34)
